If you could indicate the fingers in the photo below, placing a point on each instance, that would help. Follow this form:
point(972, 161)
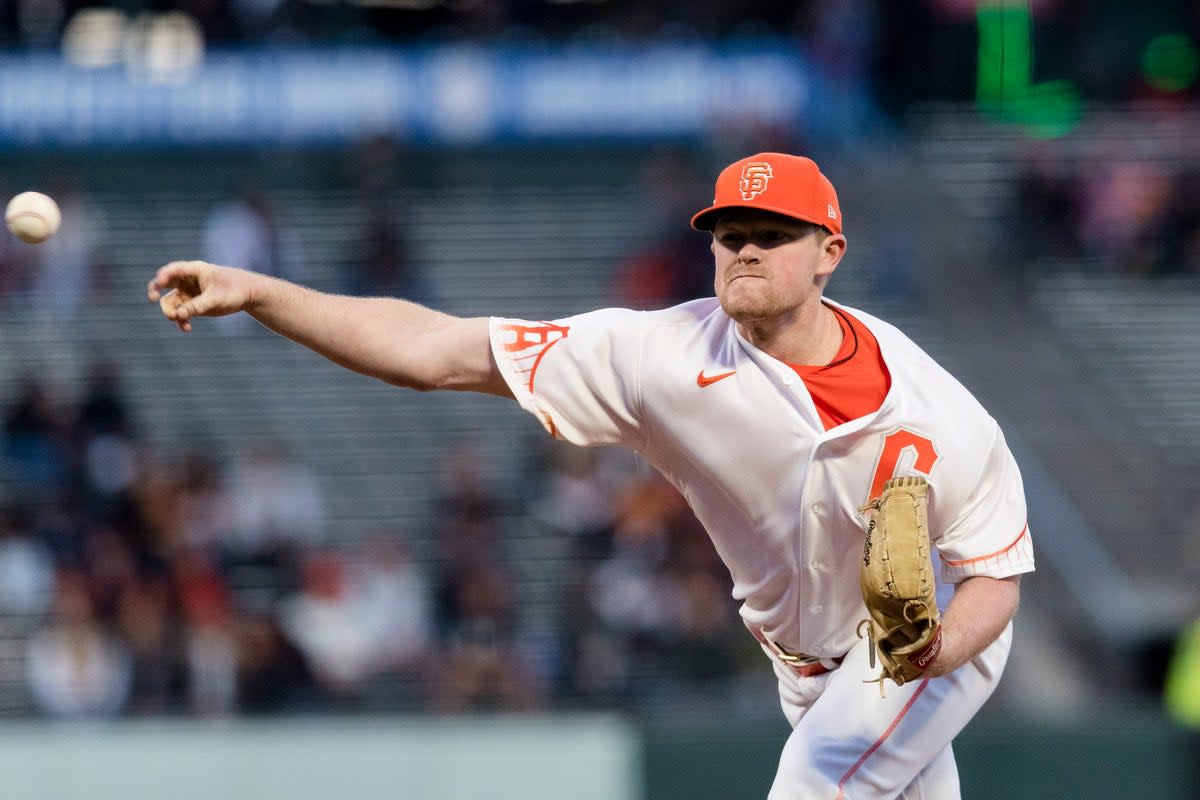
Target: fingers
point(171, 305)
point(167, 289)
point(172, 276)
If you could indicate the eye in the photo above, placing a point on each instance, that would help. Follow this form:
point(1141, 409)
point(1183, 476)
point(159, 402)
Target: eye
point(734, 241)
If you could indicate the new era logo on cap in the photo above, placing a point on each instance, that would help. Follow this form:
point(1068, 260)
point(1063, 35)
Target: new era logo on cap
point(776, 182)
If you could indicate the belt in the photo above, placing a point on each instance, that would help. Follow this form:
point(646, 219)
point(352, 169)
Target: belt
point(805, 666)
point(813, 668)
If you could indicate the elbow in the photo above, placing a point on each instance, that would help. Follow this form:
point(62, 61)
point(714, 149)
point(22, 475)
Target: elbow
point(429, 381)
point(416, 383)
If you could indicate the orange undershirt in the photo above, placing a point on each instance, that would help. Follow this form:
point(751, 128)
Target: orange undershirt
point(855, 382)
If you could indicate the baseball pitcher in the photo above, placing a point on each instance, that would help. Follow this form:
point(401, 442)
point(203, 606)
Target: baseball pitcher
point(838, 469)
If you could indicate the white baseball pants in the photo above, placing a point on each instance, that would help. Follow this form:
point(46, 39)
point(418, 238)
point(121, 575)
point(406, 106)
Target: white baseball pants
point(848, 743)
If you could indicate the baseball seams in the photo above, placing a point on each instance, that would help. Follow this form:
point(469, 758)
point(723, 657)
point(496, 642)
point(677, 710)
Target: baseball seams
point(40, 217)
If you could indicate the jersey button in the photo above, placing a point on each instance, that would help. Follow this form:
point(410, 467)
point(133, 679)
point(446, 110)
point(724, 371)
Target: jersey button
point(816, 508)
point(816, 609)
point(818, 566)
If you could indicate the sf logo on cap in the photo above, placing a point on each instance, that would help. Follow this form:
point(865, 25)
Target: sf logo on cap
point(754, 179)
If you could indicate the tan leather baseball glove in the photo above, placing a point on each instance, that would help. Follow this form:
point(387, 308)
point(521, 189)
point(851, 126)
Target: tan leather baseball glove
point(897, 582)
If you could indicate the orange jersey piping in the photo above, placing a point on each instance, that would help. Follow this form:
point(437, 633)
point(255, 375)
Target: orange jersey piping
point(1000, 552)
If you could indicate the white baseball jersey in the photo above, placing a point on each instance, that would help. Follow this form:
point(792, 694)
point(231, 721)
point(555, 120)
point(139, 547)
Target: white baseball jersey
point(736, 431)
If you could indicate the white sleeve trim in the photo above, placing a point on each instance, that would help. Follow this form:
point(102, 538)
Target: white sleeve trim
point(1013, 559)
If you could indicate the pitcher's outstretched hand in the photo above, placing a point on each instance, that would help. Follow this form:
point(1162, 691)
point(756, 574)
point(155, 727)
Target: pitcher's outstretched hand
point(186, 289)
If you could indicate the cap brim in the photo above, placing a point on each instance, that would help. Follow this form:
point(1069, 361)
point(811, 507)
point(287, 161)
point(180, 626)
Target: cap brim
point(706, 220)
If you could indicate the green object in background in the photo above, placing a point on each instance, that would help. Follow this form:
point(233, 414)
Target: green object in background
point(1182, 693)
point(1171, 63)
point(1005, 53)
point(1004, 73)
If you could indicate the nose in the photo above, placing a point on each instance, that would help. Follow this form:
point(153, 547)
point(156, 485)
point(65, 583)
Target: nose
point(749, 254)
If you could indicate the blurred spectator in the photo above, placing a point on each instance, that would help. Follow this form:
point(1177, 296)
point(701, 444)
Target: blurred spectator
point(670, 262)
point(628, 591)
point(1124, 216)
point(1184, 224)
point(361, 620)
point(36, 441)
point(111, 570)
point(465, 545)
point(61, 527)
point(145, 622)
point(26, 566)
point(1046, 212)
point(481, 669)
point(156, 497)
point(65, 265)
point(209, 636)
point(103, 409)
point(324, 622)
point(577, 497)
point(382, 265)
point(277, 509)
point(37, 22)
point(666, 271)
point(373, 168)
point(393, 598)
point(707, 629)
point(464, 492)
point(1122, 204)
point(108, 462)
point(659, 604)
point(245, 232)
point(272, 676)
point(202, 510)
point(76, 668)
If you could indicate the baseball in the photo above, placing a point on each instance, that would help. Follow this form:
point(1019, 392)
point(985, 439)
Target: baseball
point(32, 217)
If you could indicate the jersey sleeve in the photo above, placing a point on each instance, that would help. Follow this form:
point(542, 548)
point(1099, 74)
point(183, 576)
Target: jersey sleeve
point(990, 534)
point(579, 376)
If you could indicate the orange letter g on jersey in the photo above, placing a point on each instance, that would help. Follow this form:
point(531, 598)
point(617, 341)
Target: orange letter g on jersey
point(894, 445)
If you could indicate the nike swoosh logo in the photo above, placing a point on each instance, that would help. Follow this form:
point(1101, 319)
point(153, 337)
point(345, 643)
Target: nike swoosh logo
point(703, 380)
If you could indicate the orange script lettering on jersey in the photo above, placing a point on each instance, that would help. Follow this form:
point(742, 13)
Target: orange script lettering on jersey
point(528, 343)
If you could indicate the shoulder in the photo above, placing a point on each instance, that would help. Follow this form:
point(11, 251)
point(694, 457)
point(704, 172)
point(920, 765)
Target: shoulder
point(607, 330)
point(925, 396)
point(909, 364)
point(617, 321)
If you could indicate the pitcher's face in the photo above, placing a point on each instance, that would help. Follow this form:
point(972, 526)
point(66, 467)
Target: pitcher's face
point(768, 265)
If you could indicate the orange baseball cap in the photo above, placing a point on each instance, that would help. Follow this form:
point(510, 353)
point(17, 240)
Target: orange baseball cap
point(785, 184)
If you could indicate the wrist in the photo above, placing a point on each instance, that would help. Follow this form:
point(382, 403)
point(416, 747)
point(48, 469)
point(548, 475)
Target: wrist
point(924, 658)
point(257, 291)
point(945, 660)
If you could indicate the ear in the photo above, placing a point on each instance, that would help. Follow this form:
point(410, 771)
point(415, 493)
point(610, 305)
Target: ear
point(832, 250)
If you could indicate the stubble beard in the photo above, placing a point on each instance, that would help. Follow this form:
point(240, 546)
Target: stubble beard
point(747, 308)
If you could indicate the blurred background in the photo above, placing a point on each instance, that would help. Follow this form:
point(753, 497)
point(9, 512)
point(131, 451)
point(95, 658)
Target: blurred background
point(230, 568)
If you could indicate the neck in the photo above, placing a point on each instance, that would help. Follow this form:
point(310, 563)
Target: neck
point(808, 335)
